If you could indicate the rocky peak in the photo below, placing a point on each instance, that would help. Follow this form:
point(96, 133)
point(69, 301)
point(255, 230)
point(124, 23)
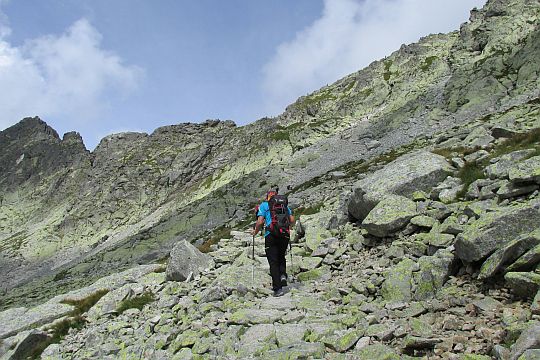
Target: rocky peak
point(28, 130)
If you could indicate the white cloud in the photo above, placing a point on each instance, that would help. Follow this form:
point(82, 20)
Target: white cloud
point(66, 76)
point(348, 36)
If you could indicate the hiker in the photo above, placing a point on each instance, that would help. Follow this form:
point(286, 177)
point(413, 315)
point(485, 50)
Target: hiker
point(276, 216)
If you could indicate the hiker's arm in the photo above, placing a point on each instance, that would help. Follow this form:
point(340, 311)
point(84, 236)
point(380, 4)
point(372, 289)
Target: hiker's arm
point(291, 219)
point(258, 225)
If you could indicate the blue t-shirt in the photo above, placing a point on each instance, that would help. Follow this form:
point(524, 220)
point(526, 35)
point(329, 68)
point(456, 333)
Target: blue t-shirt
point(264, 211)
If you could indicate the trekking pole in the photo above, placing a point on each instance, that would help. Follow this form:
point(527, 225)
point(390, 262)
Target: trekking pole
point(253, 264)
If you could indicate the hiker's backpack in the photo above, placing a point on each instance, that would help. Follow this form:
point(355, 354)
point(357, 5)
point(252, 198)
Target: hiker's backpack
point(279, 212)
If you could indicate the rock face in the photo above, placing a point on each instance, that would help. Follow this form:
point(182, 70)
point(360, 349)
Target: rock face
point(186, 262)
point(415, 172)
point(495, 229)
point(391, 214)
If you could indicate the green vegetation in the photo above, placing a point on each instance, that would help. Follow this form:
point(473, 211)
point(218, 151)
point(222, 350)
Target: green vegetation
point(366, 92)
point(350, 86)
point(136, 302)
point(318, 98)
point(74, 321)
point(280, 135)
point(473, 171)
point(387, 73)
point(449, 153)
point(61, 275)
point(222, 232)
point(520, 141)
point(468, 174)
point(308, 210)
point(428, 62)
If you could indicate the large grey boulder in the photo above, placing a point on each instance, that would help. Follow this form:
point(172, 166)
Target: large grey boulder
point(24, 344)
point(185, 261)
point(419, 171)
point(529, 339)
point(389, 215)
point(16, 320)
point(526, 262)
point(494, 229)
point(433, 274)
point(524, 284)
point(507, 254)
point(499, 170)
point(398, 281)
point(526, 171)
point(256, 339)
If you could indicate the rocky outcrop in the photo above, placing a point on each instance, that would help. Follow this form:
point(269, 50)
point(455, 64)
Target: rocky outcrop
point(186, 262)
point(390, 215)
point(415, 172)
point(492, 230)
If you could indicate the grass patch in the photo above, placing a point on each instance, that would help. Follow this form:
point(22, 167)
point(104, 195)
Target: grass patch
point(520, 141)
point(74, 321)
point(387, 73)
point(366, 92)
point(222, 232)
point(318, 98)
point(83, 305)
point(428, 62)
point(449, 153)
point(280, 135)
point(136, 302)
point(468, 174)
point(308, 210)
point(350, 86)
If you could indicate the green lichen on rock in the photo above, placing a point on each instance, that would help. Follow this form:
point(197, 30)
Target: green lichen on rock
point(398, 281)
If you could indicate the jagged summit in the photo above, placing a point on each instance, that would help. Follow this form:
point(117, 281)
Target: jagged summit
point(28, 129)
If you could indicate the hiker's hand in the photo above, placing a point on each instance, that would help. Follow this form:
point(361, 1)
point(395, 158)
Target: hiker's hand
point(253, 232)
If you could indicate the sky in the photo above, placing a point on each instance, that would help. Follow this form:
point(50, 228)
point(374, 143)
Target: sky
point(105, 66)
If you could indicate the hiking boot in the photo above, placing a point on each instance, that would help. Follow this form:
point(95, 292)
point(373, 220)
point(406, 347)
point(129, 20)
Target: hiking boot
point(283, 280)
point(279, 292)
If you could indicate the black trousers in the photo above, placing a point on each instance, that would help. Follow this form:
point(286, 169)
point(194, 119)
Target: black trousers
point(275, 249)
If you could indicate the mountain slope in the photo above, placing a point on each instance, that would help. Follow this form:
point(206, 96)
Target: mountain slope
point(69, 216)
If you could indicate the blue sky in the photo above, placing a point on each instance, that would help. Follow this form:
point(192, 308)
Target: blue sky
point(103, 66)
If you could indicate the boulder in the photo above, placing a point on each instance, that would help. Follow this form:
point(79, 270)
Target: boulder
point(342, 341)
point(509, 190)
point(494, 229)
point(19, 319)
point(419, 171)
point(110, 302)
point(507, 254)
point(529, 339)
point(297, 350)
point(526, 171)
point(479, 137)
point(316, 229)
point(25, 344)
point(499, 170)
point(535, 305)
point(398, 281)
point(185, 261)
point(377, 352)
point(433, 274)
point(389, 215)
point(526, 262)
point(288, 334)
point(524, 284)
point(257, 339)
